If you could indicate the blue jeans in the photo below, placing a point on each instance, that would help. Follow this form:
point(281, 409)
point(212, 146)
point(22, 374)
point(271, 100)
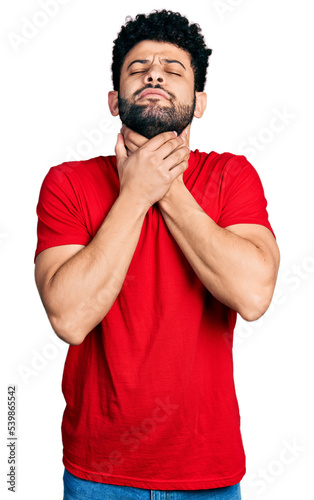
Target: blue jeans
point(76, 488)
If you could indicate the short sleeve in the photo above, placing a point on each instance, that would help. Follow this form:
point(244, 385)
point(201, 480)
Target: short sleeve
point(243, 198)
point(60, 220)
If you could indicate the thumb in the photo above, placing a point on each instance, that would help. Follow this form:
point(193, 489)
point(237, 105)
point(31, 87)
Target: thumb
point(120, 150)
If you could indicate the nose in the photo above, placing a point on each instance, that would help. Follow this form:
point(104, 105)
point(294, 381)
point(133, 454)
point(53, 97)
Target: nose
point(154, 75)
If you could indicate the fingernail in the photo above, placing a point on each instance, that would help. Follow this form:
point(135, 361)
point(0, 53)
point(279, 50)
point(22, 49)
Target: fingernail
point(175, 133)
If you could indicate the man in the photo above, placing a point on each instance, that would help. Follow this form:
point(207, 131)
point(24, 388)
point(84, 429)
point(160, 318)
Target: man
point(143, 261)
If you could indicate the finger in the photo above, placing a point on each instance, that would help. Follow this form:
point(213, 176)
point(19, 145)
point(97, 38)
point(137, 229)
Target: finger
point(181, 154)
point(160, 139)
point(178, 170)
point(170, 147)
point(120, 150)
point(184, 135)
point(184, 132)
point(133, 138)
point(132, 148)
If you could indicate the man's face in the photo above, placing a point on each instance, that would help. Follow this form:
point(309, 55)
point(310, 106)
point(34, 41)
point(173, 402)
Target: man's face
point(156, 89)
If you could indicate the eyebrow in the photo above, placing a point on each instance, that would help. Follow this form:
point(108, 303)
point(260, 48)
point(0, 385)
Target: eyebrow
point(146, 61)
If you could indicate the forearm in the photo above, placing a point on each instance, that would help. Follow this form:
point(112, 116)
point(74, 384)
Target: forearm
point(85, 287)
point(231, 267)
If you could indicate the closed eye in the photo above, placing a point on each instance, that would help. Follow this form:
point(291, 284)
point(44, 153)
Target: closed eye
point(143, 71)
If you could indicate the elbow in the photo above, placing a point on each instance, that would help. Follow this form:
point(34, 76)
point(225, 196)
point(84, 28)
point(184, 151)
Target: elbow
point(258, 300)
point(67, 323)
point(67, 330)
point(256, 305)
point(251, 314)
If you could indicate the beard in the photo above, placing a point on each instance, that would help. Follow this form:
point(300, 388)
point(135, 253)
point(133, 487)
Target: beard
point(152, 119)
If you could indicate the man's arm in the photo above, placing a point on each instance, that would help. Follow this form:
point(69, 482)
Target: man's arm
point(78, 292)
point(237, 264)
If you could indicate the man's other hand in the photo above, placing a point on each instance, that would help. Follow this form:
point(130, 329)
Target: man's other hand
point(147, 168)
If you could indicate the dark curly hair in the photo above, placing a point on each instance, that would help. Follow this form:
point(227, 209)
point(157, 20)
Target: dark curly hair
point(162, 26)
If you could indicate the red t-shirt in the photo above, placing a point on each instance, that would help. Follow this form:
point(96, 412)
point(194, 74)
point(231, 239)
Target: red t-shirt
point(150, 396)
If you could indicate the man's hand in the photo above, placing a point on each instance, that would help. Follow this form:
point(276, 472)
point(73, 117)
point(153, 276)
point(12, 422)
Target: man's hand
point(147, 168)
point(133, 141)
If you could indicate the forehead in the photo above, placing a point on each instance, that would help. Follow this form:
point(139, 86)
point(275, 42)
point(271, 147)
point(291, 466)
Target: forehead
point(149, 49)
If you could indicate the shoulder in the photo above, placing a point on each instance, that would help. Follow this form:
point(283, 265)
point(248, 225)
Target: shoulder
point(83, 167)
point(224, 160)
point(225, 168)
point(83, 172)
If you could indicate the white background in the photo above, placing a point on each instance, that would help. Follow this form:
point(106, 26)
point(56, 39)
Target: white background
point(54, 93)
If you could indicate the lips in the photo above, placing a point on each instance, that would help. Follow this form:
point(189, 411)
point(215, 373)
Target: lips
point(153, 94)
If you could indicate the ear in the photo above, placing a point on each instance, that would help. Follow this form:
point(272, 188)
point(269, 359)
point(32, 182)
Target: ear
point(200, 105)
point(113, 102)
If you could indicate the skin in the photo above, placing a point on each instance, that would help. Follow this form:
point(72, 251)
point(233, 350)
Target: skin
point(238, 265)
